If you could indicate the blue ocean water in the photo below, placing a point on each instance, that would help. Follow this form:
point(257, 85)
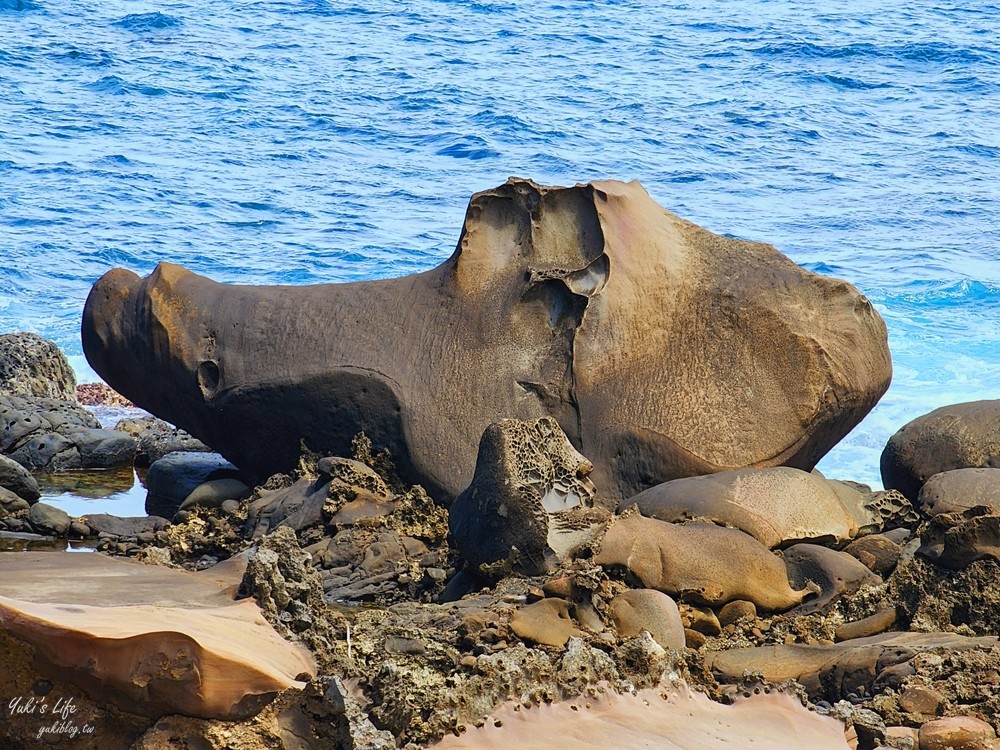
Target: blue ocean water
point(302, 141)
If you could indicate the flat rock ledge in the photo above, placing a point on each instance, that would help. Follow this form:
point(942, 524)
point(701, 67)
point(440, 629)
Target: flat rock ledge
point(148, 639)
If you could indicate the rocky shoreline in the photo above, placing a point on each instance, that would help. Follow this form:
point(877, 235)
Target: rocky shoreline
point(530, 607)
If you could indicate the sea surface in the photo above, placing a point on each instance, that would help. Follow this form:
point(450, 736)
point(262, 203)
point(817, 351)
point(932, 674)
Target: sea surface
point(310, 141)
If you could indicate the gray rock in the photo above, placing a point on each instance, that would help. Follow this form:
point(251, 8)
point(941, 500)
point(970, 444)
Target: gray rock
point(215, 492)
point(299, 507)
point(175, 476)
point(48, 435)
point(18, 480)
point(104, 449)
point(156, 445)
point(127, 526)
point(48, 452)
point(47, 519)
point(33, 366)
point(12, 503)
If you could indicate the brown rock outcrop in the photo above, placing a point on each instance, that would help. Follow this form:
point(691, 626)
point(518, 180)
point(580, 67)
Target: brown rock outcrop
point(662, 350)
point(833, 672)
point(530, 504)
point(152, 640)
point(699, 562)
point(958, 436)
point(777, 506)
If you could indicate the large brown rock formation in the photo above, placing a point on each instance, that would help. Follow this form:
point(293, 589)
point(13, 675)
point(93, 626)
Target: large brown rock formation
point(662, 350)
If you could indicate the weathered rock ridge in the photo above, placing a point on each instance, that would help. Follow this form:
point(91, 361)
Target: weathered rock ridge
point(661, 349)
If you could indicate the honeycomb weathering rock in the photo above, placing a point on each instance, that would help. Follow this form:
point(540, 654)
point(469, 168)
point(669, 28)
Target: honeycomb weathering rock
point(662, 349)
point(530, 502)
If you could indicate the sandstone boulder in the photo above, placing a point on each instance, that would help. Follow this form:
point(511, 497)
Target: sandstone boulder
point(699, 562)
point(959, 490)
point(150, 639)
point(834, 671)
point(33, 366)
point(959, 436)
point(778, 506)
point(661, 349)
point(653, 611)
point(530, 501)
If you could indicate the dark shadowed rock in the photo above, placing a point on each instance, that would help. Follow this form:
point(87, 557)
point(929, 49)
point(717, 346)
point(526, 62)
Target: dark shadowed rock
point(959, 436)
point(18, 480)
point(175, 476)
point(127, 526)
point(662, 350)
point(33, 366)
point(298, 506)
point(47, 519)
point(531, 500)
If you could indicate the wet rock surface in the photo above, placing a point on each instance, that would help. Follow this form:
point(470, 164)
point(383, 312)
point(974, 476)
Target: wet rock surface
point(49, 435)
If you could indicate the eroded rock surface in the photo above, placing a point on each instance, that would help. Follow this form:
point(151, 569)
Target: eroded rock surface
point(959, 490)
point(778, 506)
point(833, 671)
point(531, 501)
point(47, 435)
point(670, 717)
point(150, 639)
point(33, 366)
point(662, 350)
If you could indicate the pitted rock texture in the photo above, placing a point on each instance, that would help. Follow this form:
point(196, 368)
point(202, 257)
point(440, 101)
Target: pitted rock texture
point(672, 716)
point(954, 540)
point(530, 502)
point(699, 562)
point(49, 435)
point(33, 366)
point(959, 436)
point(662, 350)
point(280, 577)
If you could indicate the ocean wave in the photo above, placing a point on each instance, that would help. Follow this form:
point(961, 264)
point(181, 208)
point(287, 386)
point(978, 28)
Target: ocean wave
point(141, 23)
